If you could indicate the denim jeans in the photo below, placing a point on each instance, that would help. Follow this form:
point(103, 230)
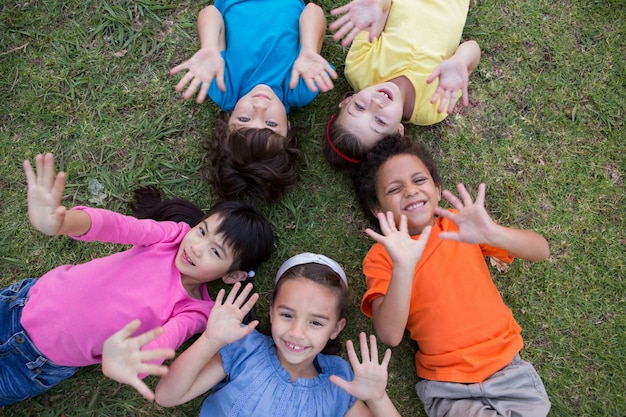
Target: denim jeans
point(24, 371)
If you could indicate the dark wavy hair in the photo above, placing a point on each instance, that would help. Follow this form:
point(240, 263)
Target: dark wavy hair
point(325, 276)
point(364, 177)
point(250, 163)
point(243, 226)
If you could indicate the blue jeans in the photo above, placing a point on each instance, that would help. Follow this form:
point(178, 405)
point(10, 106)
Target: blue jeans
point(24, 371)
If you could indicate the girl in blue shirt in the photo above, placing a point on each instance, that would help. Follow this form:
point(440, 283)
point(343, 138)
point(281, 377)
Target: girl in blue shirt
point(257, 60)
point(285, 374)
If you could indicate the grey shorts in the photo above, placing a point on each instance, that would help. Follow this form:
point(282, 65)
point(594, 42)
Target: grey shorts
point(514, 391)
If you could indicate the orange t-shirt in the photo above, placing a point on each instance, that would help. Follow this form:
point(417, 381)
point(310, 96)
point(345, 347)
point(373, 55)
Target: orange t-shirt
point(464, 331)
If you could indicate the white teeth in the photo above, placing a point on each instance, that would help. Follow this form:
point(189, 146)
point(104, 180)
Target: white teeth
point(415, 205)
point(384, 94)
point(294, 347)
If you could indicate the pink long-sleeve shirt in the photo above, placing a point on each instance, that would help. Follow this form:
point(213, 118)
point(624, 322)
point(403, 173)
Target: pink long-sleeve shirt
point(73, 309)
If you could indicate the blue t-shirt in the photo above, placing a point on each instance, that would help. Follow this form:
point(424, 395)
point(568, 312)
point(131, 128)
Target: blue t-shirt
point(257, 385)
point(262, 43)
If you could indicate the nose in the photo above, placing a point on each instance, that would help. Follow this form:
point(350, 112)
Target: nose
point(376, 101)
point(260, 104)
point(411, 190)
point(196, 248)
point(297, 329)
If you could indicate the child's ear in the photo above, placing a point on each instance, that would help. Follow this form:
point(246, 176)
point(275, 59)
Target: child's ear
point(345, 101)
point(375, 210)
point(234, 276)
point(338, 328)
point(401, 129)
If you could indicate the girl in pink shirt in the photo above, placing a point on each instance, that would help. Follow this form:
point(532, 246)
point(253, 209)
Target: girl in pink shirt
point(52, 325)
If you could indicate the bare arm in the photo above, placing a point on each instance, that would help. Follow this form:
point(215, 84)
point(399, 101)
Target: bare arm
point(391, 311)
point(358, 15)
point(369, 383)
point(476, 226)
point(200, 367)
point(45, 191)
point(310, 65)
point(207, 63)
point(453, 75)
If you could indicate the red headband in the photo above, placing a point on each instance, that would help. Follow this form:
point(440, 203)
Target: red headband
point(347, 158)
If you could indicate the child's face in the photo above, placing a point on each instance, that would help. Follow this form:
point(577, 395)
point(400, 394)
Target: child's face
point(404, 186)
point(373, 113)
point(261, 109)
point(304, 318)
point(202, 255)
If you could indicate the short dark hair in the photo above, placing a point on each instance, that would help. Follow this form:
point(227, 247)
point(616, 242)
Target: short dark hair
point(325, 276)
point(245, 229)
point(364, 177)
point(251, 163)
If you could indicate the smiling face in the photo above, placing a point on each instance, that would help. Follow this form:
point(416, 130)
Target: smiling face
point(304, 316)
point(261, 109)
point(372, 113)
point(404, 186)
point(203, 256)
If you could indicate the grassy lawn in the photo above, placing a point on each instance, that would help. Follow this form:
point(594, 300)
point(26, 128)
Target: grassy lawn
point(89, 81)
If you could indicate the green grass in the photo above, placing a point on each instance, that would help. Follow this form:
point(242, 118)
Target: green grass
point(89, 81)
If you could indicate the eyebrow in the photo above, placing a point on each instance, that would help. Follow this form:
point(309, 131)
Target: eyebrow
point(348, 111)
point(219, 245)
point(320, 316)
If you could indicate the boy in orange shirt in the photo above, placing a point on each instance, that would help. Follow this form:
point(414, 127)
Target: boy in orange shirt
point(427, 273)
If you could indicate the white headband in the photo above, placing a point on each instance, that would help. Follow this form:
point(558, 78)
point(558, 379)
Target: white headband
point(311, 258)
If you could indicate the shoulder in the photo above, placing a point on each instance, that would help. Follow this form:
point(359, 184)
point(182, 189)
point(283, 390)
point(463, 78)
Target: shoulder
point(335, 365)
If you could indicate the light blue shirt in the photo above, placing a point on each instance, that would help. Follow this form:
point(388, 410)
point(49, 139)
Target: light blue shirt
point(257, 385)
point(262, 43)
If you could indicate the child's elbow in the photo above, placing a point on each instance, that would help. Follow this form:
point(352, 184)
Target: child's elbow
point(162, 399)
point(389, 338)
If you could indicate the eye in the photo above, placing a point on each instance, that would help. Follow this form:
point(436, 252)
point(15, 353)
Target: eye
point(202, 231)
point(243, 119)
point(393, 190)
point(419, 180)
point(380, 121)
point(317, 323)
point(286, 315)
point(359, 107)
point(271, 124)
point(216, 253)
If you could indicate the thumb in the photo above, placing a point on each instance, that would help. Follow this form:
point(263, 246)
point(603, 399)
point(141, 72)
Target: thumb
point(129, 329)
point(433, 75)
point(340, 382)
point(142, 389)
point(295, 75)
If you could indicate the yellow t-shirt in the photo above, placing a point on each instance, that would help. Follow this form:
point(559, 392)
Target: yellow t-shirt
point(418, 36)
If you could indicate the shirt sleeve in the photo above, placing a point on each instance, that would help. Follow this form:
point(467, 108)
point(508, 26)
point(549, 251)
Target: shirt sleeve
point(111, 227)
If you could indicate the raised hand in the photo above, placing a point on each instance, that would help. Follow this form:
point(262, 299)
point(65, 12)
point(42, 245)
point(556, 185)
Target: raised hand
point(203, 67)
point(45, 191)
point(370, 377)
point(225, 320)
point(356, 16)
point(474, 223)
point(316, 72)
point(123, 360)
point(399, 244)
point(453, 76)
